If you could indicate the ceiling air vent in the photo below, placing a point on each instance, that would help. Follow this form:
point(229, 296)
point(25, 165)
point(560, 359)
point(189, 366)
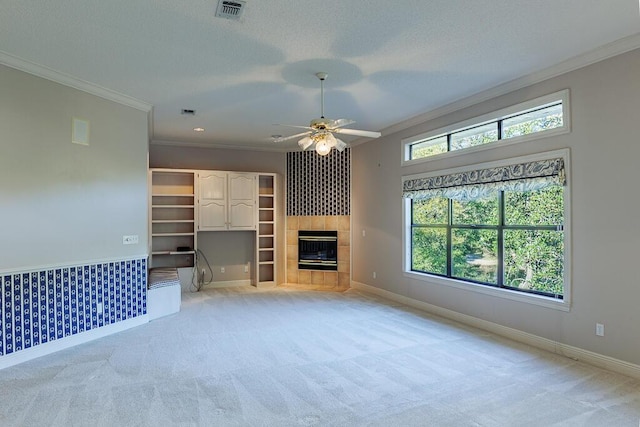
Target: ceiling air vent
point(230, 9)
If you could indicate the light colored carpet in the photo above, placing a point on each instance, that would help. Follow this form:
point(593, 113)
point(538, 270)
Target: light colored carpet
point(285, 357)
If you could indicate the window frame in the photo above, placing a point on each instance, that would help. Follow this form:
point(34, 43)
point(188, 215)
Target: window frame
point(496, 116)
point(507, 293)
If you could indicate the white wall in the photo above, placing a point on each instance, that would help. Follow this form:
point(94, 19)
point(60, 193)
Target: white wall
point(63, 203)
point(605, 148)
point(231, 250)
point(185, 157)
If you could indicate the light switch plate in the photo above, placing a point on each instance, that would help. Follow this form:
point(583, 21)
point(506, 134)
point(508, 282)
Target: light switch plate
point(130, 240)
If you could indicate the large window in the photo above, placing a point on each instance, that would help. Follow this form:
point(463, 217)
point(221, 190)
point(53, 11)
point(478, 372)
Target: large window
point(501, 226)
point(532, 119)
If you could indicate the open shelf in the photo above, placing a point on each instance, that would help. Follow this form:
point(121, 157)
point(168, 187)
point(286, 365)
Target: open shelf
point(265, 202)
point(266, 235)
point(172, 206)
point(173, 253)
point(266, 273)
point(265, 256)
point(265, 215)
point(172, 218)
point(178, 228)
point(266, 185)
point(266, 228)
point(173, 259)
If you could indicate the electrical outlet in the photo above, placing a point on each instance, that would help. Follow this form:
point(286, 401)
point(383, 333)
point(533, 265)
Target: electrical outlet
point(246, 268)
point(130, 240)
point(599, 329)
point(364, 233)
point(375, 275)
point(221, 269)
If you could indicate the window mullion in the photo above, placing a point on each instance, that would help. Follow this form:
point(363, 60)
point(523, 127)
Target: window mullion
point(449, 233)
point(500, 272)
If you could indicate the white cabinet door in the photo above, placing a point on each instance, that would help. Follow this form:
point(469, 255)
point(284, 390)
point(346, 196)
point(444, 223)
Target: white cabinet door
point(242, 201)
point(243, 216)
point(242, 186)
point(212, 207)
point(227, 201)
point(212, 216)
point(213, 186)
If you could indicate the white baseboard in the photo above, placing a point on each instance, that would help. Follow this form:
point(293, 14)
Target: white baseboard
point(228, 284)
point(70, 341)
point(556, 347)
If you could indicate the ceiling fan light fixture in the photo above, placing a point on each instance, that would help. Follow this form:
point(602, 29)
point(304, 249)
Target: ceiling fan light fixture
point(305, 142)
point(320, 131)
point(322, 147)
point(330, 139)
point(324, 141)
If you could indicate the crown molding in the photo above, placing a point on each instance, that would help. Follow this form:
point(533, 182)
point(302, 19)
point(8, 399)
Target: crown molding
point(607, 51)
point(70, 81)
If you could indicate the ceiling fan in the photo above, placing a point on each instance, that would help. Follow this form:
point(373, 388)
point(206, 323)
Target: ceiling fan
point(321, 131)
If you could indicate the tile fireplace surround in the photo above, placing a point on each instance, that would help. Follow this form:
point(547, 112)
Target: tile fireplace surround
point(315, 279)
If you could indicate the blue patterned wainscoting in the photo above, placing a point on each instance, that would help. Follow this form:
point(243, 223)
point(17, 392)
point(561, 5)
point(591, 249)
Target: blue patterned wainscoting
point(43, 306)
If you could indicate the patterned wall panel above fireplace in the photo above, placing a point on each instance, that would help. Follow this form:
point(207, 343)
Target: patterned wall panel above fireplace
point(318, 185)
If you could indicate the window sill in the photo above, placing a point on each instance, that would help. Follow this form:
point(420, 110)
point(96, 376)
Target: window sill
point(562, 305)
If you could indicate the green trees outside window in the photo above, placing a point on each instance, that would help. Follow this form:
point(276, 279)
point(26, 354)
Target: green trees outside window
point(510, 240)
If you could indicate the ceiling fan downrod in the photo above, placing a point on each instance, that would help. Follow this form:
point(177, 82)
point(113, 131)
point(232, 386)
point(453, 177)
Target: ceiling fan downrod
point(322, 76)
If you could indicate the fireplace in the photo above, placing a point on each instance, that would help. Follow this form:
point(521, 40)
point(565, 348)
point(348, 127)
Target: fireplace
point(317, 250)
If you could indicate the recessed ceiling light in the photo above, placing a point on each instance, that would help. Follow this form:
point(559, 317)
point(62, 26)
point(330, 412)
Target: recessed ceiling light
point(198, 129)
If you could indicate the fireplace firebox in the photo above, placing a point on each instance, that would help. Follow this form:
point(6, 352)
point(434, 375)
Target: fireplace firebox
point(317, 250)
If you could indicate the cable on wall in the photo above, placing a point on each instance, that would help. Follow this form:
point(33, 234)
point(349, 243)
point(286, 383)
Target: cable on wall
point(199, 274)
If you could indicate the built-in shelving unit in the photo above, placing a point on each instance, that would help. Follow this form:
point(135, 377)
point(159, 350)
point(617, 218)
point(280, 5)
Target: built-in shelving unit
point(266, 235)
point(180, 207)
point(172, 218)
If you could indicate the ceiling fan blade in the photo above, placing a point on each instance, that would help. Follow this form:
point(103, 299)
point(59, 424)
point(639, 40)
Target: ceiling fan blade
point(293, 126)
point(366, 133)
point(341, 122)
point(286, 138)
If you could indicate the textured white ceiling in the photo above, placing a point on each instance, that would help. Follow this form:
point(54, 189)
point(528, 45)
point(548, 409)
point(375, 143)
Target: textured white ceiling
point(387, 61)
